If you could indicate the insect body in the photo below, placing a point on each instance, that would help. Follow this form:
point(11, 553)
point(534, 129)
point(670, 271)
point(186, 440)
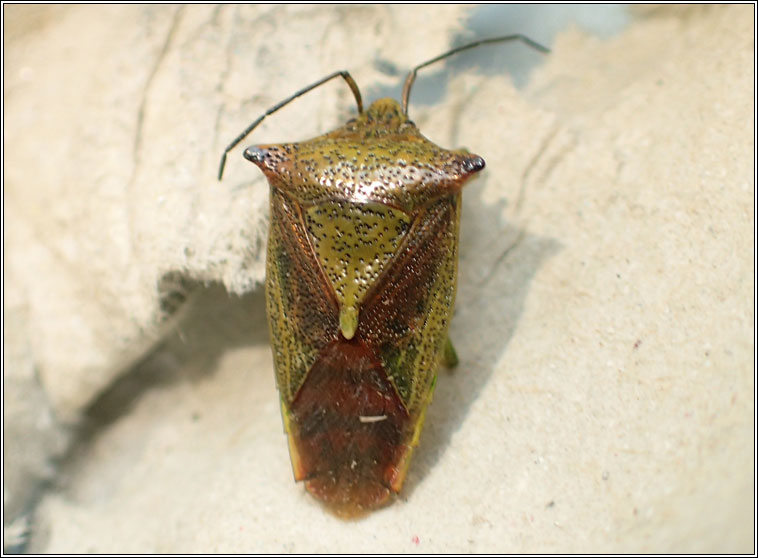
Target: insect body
point(360, 284)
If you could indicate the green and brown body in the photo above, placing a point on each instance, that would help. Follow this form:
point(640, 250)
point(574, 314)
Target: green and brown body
point(361, 278)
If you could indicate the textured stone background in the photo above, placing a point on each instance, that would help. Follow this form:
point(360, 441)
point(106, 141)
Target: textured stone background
point(605, 325)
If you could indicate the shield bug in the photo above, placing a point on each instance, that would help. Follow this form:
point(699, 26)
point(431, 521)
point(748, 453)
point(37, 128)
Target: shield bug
point(360, 283)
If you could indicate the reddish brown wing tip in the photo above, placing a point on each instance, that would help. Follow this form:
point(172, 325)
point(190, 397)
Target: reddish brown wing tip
point(347, 499)
point(350, 430)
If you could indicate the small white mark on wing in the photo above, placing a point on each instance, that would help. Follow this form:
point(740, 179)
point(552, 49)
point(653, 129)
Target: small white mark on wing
point(375, 418)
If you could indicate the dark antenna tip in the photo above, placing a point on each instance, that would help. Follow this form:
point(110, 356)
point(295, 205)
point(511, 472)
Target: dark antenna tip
point(221, 166)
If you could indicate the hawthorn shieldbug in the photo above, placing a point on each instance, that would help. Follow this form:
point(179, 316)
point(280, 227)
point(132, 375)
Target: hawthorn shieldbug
point(360, 283)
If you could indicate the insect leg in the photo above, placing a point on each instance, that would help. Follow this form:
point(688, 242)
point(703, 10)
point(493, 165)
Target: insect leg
point(412, 74)
point(449, 356)
point(343, 74)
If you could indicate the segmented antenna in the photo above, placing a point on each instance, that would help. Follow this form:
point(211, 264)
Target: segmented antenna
point(357, 94)
point(344, 75)
point(412, 74)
